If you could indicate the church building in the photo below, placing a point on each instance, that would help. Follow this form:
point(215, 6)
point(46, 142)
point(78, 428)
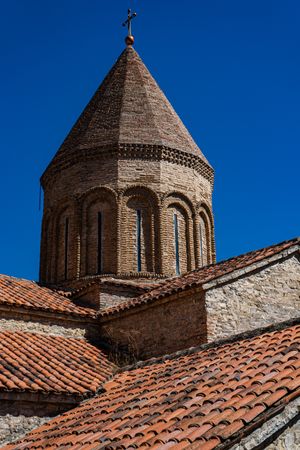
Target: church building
point(134, 337)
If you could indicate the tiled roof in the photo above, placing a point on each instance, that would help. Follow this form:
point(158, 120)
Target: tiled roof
point(101, 281)
point(28, 294)
point(201, 276)
point(36, 363)
point(201, 398)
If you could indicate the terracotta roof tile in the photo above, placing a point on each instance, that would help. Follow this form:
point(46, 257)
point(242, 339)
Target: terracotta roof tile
point(168, 403)
point(201, 276)
point(27, 294)
point(51, 364)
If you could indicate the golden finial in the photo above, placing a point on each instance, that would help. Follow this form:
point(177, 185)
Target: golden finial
point(129, 38)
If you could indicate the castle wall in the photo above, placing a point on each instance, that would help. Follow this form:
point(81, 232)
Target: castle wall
point(158, 329)
point(270, 295)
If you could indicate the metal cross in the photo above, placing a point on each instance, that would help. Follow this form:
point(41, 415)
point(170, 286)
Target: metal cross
point(128, 21)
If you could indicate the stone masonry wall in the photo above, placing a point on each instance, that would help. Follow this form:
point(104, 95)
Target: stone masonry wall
point(34, 322)
point(158, 329)
point(32, 326)
point(256, 300)
point(281, 432)
point(19, 416)
point(111, 296)
point(288, 440)
point(13, 428)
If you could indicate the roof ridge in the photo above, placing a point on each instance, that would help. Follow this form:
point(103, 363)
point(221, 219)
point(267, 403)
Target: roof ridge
point(148, 99)
point(187, 280)
point(247, 335)
point(295, 239)
point(125, 52)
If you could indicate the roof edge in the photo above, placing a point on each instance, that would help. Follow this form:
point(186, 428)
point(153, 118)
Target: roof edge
point(142, 300)
point(237, 273)
point(215, 344)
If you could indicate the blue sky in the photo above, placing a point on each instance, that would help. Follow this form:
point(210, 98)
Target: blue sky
point(230, 68)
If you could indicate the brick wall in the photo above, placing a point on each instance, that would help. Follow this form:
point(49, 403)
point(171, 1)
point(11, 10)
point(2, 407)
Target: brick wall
point(80, 192)
point(128, 150)
point(158, 329)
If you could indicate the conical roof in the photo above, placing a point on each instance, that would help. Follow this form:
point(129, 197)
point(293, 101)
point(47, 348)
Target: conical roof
point(128, 108)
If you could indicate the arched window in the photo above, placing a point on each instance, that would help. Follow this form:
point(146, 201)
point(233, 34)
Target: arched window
point(137, 233)
point(100, 245)
point(99, 234)
point(204, 236)
point(139, 239)
point(176, 244)
point(177, 254)
point(64, 246)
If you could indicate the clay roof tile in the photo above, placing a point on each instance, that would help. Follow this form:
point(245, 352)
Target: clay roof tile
point(134, 412)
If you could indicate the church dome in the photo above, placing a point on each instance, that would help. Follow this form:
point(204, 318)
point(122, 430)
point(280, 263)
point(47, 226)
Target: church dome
point(129, 193)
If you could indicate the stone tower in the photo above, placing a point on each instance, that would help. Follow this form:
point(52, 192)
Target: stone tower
point(129, 193)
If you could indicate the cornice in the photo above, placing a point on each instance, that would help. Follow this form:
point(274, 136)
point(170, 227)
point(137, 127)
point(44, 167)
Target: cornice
point(127, 152)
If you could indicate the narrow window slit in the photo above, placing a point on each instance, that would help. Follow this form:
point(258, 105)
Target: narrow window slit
point(201, 243)
point(138, 239)
point(99, 252)
point(176, 239)
point(66, 246)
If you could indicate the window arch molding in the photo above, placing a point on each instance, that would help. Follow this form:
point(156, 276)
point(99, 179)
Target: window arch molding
point(63, 240)
point(180, 199)
point(97, 192)
point(178, 224)
point(141, 191)
point(140, 229)
point(98, 246)
point(203, 207)
point(205, 214)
